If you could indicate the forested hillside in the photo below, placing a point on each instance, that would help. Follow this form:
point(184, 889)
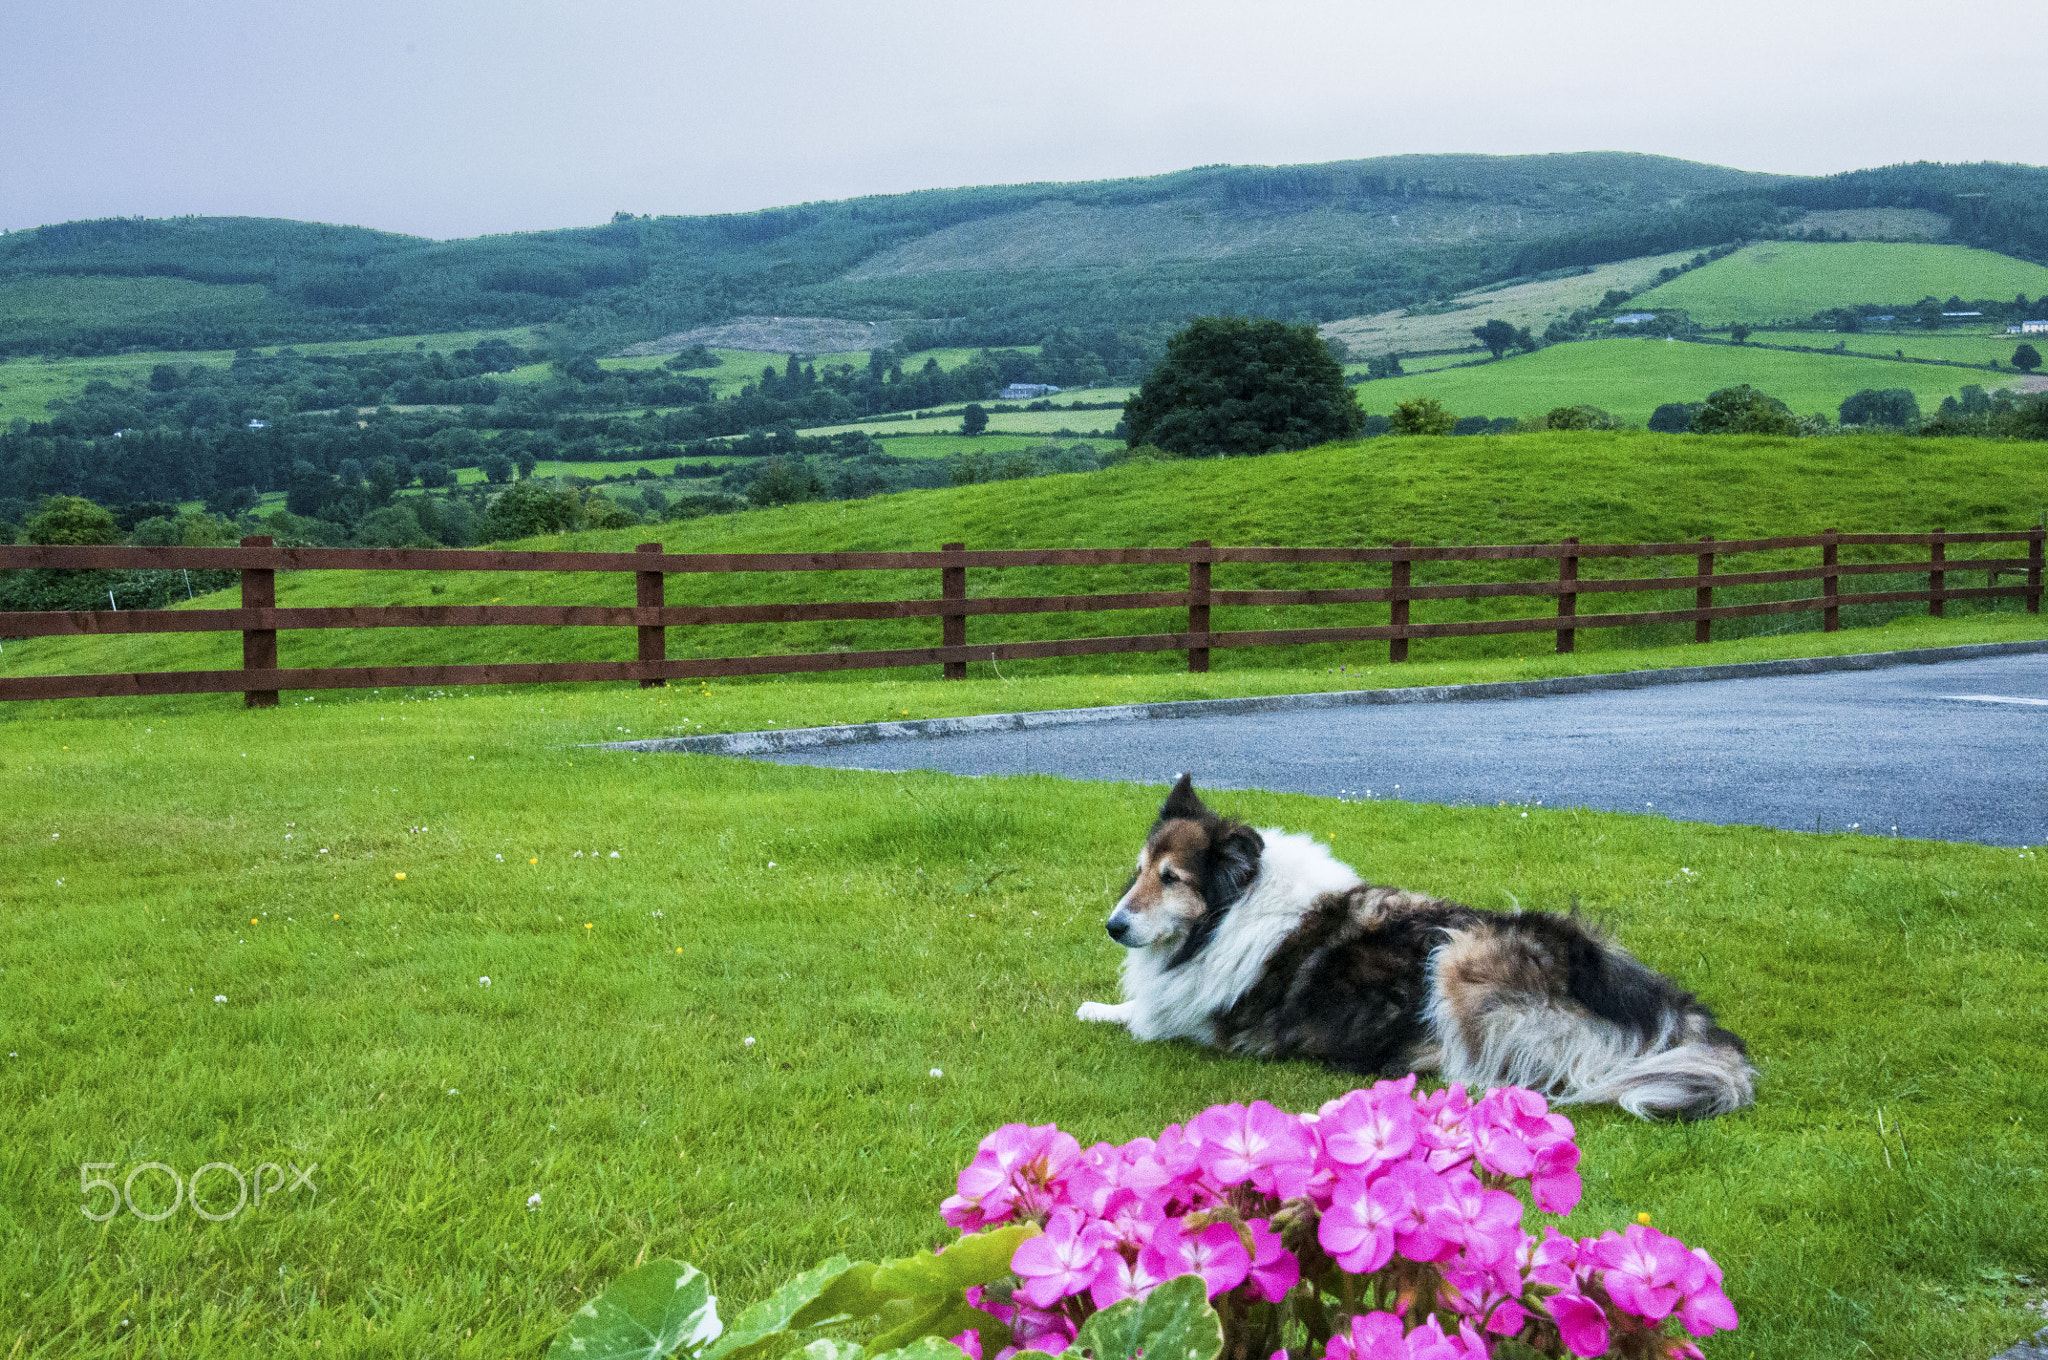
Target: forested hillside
point(1001, 265)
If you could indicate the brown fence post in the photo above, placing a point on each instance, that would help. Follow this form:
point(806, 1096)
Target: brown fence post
point(1567, 601)
point(259, 645)
point(1937, 578)
point(953, 632)
point(1703, 598)
point(1830, 584)
point(1397, 611)
point(1198, 609)
point(2034, 567)
point(651, 593)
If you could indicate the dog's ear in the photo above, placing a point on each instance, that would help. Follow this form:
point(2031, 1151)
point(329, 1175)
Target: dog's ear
point(1183, 802)
point(1233, 864)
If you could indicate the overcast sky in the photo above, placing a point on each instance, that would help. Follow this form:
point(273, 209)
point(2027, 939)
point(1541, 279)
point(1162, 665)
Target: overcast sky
point(454, 119)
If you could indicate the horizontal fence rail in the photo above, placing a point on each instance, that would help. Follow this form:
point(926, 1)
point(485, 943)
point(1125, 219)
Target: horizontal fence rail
point(259, 620)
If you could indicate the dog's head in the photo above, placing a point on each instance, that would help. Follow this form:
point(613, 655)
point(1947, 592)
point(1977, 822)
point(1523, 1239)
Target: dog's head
point(1194, 865)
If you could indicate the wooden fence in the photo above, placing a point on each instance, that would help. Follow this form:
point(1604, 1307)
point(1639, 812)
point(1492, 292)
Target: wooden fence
point(259, 620)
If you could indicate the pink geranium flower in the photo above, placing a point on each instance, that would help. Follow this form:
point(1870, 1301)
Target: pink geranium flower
point(1062, 1260)
point(970, 1342)
point(1642, 1269)
point(1705, 1309)
point(1580, 1322)
point(1036, 1329)
point(1274, 1268)
point(1358, 1227)
point(1215, 1253)
point(1247, 1143)
point(1367, 1130)
point(1118, 1279)
point(1486, 1223)
point(1373, 1336)
point(1415, 1200)
point(1489, 1296)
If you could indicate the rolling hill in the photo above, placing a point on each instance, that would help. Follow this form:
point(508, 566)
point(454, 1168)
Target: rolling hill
point(1008, 262)
point(1792, 280)
point(1630, 378)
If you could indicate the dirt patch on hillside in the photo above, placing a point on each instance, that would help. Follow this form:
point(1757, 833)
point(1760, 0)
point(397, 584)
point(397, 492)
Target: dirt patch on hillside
point(779, 335)
point(1879, 224)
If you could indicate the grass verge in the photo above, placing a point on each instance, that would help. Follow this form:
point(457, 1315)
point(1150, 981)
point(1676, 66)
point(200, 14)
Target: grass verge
point(596, 712)
point(343, 877)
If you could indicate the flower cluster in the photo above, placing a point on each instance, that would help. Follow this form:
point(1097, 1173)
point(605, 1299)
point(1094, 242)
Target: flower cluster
point(1396, 1208)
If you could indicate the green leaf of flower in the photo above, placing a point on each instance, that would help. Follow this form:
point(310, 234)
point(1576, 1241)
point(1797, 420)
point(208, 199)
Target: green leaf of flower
point(980, 1259)
point(928, 1348)
point(648, 1313)
point(1174, 1323)
point(752, 1330)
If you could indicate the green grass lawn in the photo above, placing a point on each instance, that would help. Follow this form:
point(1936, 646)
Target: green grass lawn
point(862, 930)
point(1631, 378)
point(1798, 278)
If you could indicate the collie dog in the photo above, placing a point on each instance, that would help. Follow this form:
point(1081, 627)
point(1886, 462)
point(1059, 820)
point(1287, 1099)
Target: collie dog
point(1262, 943)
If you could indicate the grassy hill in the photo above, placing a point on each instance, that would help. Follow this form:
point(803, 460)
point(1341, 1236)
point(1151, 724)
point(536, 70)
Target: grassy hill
point(1793, 279)
point(1535, 305)
point(1626, 486)
point(1630, 378)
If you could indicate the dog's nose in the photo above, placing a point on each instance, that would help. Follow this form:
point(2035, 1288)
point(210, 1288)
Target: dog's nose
point(1118, 929)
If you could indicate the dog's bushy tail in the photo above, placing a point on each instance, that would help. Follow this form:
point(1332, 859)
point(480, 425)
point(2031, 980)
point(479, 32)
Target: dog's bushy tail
point(1542, 1001)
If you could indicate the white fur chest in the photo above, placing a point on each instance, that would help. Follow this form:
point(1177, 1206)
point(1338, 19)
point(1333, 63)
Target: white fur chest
point(1182, 1003)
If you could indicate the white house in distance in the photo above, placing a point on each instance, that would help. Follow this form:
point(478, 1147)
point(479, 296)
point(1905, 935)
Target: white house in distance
point(1026, 391)
point(1634, 318)
point(2028, 328)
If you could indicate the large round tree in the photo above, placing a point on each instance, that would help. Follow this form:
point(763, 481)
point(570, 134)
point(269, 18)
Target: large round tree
point(1234, 384)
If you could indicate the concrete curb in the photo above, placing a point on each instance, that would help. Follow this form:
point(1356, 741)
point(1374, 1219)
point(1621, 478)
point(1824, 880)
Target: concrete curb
point(805, 738)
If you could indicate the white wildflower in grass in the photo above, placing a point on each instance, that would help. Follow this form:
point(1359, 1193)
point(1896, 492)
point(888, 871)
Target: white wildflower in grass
point(533, 1201)
point(219, 1000)
point(615, 854)
point(937, 1073)
point(453, 1092)
point(747, 1042)
point(483, 982)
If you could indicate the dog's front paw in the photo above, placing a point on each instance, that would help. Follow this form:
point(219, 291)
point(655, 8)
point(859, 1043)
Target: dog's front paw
point(1101, 1011)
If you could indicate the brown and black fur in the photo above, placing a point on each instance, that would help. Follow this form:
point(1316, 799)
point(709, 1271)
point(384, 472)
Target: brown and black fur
point(1381, 981)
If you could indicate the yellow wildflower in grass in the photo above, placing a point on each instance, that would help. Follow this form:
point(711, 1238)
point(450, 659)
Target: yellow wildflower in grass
point(398, 876)
point(252, 920)
point(534, 860)
point(589, 925)
point(1643, 1219)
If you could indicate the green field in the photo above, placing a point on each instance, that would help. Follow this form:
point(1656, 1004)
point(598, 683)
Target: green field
point(1527, 488)
point(1043, 423)
point(1794, 279)
point(28, 385)
point(1631, 378)
point(263, 937)
point(1534, 305)
point(1964, 347)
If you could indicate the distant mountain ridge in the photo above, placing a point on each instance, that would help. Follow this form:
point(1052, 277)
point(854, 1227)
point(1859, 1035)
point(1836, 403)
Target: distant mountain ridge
point(1007, 263)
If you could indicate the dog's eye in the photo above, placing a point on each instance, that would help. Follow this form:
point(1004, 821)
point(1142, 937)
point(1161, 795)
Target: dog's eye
point(1168, 876)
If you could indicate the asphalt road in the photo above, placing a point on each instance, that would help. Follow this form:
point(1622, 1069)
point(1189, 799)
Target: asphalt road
point(1955, 751)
